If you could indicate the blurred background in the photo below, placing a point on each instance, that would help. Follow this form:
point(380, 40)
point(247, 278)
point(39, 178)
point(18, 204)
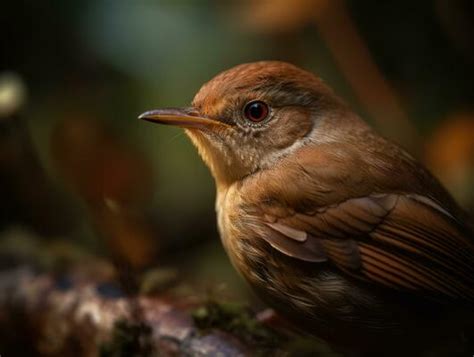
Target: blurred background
point(80, 176)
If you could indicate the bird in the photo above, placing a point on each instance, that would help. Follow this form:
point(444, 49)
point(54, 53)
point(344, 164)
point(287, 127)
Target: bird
point(342, 232)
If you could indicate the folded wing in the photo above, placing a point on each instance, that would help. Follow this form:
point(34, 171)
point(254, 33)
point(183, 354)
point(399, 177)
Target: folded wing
point(405, 242)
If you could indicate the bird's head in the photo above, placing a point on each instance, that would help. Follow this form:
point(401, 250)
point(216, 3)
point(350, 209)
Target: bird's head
point(246, 118)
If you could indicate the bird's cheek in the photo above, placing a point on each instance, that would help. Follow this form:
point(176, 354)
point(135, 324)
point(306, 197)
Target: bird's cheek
point(292, 125)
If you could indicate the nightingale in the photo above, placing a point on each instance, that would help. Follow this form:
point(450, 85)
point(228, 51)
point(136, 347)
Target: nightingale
point(341, 231)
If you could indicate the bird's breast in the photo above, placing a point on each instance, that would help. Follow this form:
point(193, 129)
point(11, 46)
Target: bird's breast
point(247, 252)
point(230, 222)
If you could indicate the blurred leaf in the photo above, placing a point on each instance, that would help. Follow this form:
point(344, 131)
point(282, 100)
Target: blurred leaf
point(450, 154)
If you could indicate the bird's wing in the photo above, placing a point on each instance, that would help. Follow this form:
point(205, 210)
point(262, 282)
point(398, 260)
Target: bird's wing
point(405, 242)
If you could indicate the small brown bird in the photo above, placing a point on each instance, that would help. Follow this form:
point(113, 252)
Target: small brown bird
point(341, 231)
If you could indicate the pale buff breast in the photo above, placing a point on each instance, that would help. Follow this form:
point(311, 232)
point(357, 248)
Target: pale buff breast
point(228, 221)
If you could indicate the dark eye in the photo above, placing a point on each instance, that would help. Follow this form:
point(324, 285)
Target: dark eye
point(256, 111)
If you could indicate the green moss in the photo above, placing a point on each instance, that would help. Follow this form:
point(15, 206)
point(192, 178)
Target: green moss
point(237, 320)
point(128, 339)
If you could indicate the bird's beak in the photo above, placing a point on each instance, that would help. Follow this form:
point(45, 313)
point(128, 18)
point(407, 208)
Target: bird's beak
point(183, 117)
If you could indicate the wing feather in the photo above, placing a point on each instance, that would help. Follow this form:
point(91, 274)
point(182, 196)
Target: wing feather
point(398, 241)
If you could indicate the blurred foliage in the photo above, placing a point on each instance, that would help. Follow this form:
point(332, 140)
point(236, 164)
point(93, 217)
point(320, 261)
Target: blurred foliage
point(76, 165)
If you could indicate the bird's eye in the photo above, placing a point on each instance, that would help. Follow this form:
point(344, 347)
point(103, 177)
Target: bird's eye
point(256, 111)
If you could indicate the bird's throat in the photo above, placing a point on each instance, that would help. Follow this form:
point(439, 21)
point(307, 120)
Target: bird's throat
point(218, 157)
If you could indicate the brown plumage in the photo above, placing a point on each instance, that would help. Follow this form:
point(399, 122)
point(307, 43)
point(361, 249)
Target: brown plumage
point(341, 231)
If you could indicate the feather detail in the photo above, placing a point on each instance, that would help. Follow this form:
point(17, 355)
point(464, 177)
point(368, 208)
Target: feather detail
point(406, 242)
point(289, 232)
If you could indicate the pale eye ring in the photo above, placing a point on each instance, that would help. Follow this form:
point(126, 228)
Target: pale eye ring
point(256, 111)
